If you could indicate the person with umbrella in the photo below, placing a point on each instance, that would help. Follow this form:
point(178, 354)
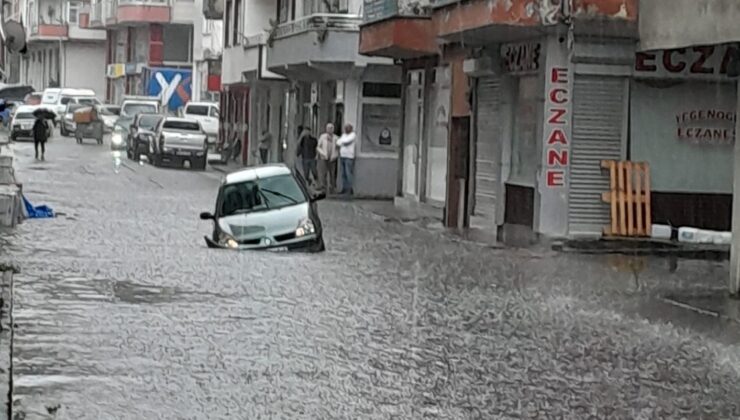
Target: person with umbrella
point(41, 130)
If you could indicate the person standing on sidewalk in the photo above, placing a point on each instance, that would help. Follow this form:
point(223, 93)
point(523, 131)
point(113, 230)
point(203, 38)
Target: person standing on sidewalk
point(327, 159)
point(40, 132)
point(307, 145)
point(346, 145)
point(264, 146)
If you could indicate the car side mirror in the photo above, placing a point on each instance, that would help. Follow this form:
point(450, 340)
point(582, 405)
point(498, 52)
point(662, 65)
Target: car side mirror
point(206, 216)
point(318, 196)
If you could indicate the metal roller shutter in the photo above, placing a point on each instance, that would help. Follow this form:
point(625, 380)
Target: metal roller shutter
point(599, 132)
point(488, 137)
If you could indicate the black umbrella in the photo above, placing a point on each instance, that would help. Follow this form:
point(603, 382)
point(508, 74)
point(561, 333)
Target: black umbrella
point(45, 114)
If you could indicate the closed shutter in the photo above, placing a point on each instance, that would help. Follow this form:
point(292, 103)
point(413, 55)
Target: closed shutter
point(599, 130)
point(488, 138)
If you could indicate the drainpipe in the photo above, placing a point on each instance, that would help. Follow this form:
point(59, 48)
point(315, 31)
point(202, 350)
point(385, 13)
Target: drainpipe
point(734, 280)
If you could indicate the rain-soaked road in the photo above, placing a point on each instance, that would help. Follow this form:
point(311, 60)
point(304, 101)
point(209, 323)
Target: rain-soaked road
point(122, 312)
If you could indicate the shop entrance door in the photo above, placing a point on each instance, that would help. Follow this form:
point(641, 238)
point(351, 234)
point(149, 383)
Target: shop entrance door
point(413, 134)
point(439, 129)
point(487, 151)
point(600, 106)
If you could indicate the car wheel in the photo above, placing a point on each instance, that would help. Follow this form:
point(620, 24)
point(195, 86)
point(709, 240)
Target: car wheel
point(13, 137)
point(202, 164)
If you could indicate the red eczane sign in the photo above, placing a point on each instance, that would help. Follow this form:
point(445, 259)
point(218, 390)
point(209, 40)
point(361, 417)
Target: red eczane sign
point(558, 143)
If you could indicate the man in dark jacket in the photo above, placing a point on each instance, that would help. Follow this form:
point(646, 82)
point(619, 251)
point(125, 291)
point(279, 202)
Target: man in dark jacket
point(307, 152)
point(40, 132)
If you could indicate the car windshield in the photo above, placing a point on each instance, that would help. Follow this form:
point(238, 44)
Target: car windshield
point(133, 109)
point(181, 125)
point(148, 122)
point(262, 194)
point(88, 101)
point(24, 116)
point(115, 110)
point(75, 107)
point(106, 111)
point(199, 110)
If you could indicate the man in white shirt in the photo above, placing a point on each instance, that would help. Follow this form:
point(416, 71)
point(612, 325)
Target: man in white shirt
point(346, 144)
point(326, 154)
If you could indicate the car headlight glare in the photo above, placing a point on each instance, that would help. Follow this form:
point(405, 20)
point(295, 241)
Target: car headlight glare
point(116, 138)
point(229, 241)
point(305, 227)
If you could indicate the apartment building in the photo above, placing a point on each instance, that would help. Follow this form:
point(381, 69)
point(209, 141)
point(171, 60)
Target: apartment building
point(292, 63)
point(149, 48)
point(60, 40)
point(510, 107)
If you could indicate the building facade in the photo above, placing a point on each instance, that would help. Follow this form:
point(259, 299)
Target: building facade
point(149, 49)
point(59, 39)
point(296, 63)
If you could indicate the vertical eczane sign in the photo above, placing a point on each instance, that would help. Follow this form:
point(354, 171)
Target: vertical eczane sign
point(557, 130)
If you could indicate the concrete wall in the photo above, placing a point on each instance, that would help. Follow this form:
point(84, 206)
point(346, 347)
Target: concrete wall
point(666, 24)
point(92, 74)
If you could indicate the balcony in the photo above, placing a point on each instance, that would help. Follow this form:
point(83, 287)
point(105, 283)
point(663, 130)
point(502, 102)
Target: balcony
point(398, 29)
point(105, 13)
point(247, 61)
point(48, 32)
point(321, 46)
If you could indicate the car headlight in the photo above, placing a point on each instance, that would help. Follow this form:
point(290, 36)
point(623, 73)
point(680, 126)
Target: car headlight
point(116, 138)
point(305, 227)
point(228, 241)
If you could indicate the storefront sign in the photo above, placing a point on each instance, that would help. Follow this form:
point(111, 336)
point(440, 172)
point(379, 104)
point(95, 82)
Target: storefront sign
point(521, 57)
point(706, 126)
point(381, 127)
point(557, 144)
point(694, 62)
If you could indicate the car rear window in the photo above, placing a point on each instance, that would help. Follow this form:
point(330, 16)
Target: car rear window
point(182, 125)
point(148, 122)
point(88, 101)
point(200, 110)
point(24, 116)
point(133, 109)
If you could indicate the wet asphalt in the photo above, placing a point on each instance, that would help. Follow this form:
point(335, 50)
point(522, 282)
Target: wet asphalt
point(121, 312)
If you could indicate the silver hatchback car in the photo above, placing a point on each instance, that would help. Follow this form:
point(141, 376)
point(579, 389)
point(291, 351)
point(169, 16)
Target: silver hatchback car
point(266, 207)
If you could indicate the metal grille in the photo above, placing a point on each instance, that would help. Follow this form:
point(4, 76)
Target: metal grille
point(488, 139)
point(599, 130)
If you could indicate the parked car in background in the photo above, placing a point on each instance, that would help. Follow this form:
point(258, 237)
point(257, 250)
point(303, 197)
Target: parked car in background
point(206, 113)
point(7, 113)
point(266, 207)
point(67, 124)
point(33, 98)
point(180, 142)
point(56, 99)
point(21, 126)
point(141, 135)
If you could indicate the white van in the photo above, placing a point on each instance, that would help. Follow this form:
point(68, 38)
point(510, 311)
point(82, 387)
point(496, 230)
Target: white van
point(56, 99)
point(206, 113)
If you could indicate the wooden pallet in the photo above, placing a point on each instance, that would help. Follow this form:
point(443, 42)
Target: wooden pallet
point(629, 196)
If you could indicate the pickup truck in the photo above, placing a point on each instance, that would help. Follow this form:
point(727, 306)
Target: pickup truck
point(180, 142)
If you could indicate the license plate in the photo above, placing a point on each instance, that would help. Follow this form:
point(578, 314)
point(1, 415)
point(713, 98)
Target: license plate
point(183, 153)
point(278, 249)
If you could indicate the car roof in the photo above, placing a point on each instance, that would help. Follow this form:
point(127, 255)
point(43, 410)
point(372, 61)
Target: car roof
point(202, 104)
point(256, 172)
point(27, 108)
point(181, 119)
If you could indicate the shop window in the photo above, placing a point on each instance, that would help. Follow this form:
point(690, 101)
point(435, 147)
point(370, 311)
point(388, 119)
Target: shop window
point(285, 7)
point(524, 156)
point(311, 7)
point(381, 127)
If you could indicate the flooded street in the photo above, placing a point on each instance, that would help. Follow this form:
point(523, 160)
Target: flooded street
point(122, 312)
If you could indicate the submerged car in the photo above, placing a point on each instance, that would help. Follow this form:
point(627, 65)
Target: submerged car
point(266, 207)
point(141, 134)
point(180, 142)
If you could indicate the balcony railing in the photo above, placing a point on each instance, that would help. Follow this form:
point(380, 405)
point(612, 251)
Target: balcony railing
point(375, 10)
point(320, 21)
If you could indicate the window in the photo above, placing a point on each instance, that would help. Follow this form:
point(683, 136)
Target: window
point(214, 112)
point(325, 6)
point(524, 156)
point(73, 13)
point(227, 24)
point(181, 125)
point(200, 110)
point(178, 41)
point(260, 195)
point(381, 90)
point(88, 101)
point(65, 100)
point(133, 109)
point(149, 122)
point(237, 30)
point(284, 9)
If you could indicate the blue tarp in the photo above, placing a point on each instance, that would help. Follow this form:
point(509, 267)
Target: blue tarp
point(37, 212)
